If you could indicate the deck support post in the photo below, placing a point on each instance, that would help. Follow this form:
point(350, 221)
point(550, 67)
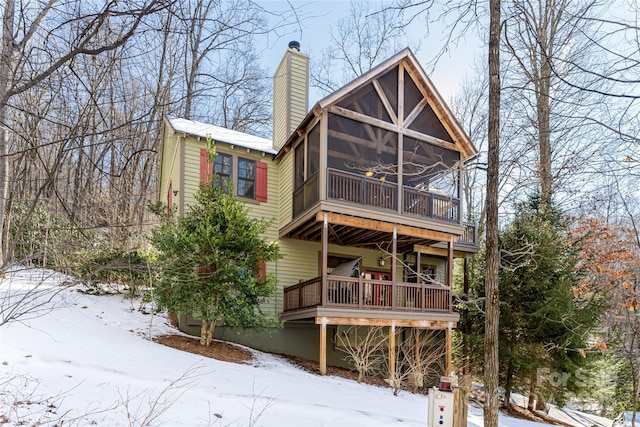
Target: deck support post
point(394, 258)
point(450, 272)
point(449, 277)
point(325, 249)
point(418, 380)
point(449, 350)
point(392, 350)
point(323, 347)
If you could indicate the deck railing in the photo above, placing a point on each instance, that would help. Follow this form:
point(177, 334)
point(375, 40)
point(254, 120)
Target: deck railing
point(361, 189)
point(470, 235)
point(369, 191)
point(367, 294)
point(430, 205)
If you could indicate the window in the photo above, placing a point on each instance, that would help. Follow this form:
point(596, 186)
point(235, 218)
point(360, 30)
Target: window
point(246, 178)
point(222, 166)
point(428, 274)
point(249, 177)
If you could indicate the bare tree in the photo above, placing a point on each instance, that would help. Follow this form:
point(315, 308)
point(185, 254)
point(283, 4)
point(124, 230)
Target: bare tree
point(492, 303)
point(366, 36)
point(363, 346)
point(419, 357)
point(37, 43)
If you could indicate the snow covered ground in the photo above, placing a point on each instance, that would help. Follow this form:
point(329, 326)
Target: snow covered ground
point(89, 362)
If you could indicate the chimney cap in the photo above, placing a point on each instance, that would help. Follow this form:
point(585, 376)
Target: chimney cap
point(294, 45)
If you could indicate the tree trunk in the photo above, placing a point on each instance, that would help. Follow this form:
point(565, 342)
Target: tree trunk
point(507, 387)
point(206, 332)
point(6, 60)
point(203, 333)
point(544, 134)
point(212, 326)
point(492, 303)
point(532, 395)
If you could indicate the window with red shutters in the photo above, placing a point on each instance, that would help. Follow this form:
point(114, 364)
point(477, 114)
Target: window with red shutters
point(250, 178)
point(261, 181)
point(262, 271)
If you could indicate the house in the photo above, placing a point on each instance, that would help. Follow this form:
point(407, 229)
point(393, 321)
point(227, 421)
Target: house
point(365, 192)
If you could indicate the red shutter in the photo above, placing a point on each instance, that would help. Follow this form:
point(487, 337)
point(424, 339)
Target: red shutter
point(262, 271)
point(205, 168)
point(261, 181)
point(170, 198)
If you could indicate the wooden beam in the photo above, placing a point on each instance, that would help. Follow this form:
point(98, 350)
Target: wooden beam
point(401, 95)
point(322, 177)
point(325, 249)
point(449, 351)
point(350, 114)
point(392, 351)
point(449, 276)
point(361, 321)
point(370, 224)
point(394, 263)
point(335, 236)
point(429, 250)
point(431, 139)
point(440, 109)
point(385, 101)
point(323, 347)
point(371, 144)
point(416, 345)
point(416, 111)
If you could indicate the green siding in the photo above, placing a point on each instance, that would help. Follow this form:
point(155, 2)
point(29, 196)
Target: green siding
point(191, 169)
point(300, 260)
point(280, 95)
point(290, 95)
point(285, 190)
point(268, 210)
point(299, 84)
point(170, 166)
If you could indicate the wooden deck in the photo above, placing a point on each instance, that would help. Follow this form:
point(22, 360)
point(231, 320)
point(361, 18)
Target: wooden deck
point(360, 190)
point(366, 298)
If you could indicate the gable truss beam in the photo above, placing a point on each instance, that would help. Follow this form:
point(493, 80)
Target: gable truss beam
point(385, 101)
point(350, 114)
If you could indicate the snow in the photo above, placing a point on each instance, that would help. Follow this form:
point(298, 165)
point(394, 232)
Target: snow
point(89, 361)
point(221, 134)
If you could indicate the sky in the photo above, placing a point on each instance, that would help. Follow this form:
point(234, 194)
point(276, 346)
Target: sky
point(88, 360)
point(321, 16)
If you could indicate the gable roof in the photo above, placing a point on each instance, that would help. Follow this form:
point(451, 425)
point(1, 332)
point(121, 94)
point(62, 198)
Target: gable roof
point(434, 99)
point(220, 134)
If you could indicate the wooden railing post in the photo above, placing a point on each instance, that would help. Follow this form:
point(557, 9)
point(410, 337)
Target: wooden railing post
point(300, 297)
point(360, 291)
point(325, 246)
point(394, 259)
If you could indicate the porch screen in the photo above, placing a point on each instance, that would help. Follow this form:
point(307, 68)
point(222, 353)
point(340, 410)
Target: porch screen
point(362, 149)
point(429, 167)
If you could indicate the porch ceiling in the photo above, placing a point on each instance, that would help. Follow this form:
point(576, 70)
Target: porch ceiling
point(353, 231)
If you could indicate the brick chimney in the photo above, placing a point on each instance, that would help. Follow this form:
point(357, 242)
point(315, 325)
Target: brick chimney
point(290, 94)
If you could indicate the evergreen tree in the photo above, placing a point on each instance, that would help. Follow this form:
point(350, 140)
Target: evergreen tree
point(209, 262)
point(544, 323)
